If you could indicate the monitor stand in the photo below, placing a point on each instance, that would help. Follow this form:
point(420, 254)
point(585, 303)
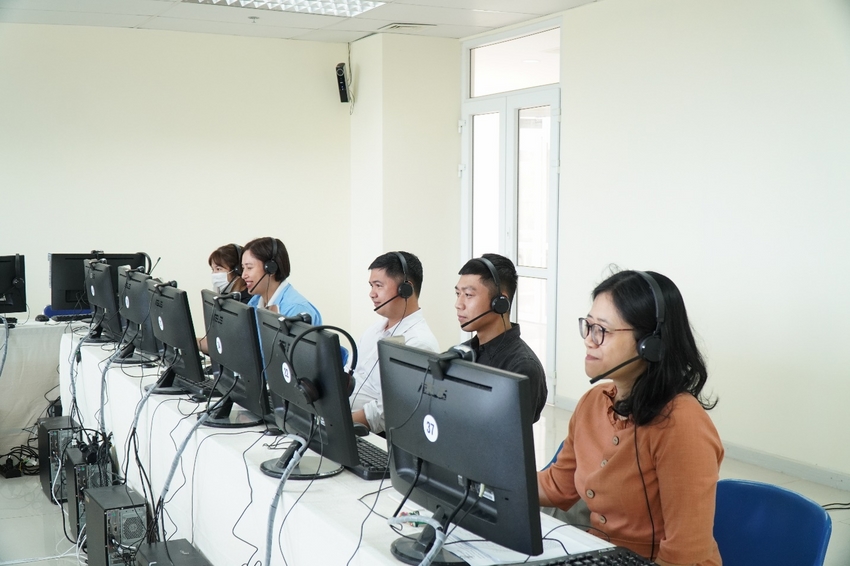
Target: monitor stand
point(226, 417)
point(413, 550)
point(128, 356)
point(165, 385)
point(309, 468)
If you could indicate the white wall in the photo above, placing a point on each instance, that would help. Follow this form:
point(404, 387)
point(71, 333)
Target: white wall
point(405, 149)
point(174, 144)
point(708, 140)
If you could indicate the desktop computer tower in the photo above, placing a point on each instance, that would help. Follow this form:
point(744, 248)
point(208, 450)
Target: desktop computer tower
point(178, 552)
point(116, 524)
point(79, 476)
point(55, 435)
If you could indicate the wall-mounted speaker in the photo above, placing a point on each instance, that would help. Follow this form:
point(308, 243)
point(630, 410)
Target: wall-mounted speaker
point(341, 83)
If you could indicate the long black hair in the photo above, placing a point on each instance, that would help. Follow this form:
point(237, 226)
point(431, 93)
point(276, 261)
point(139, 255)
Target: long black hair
point(682, 369)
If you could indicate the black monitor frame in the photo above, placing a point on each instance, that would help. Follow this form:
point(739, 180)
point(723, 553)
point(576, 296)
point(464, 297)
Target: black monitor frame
point(460, 428)
point(134, 304)
point(233, 345)
point(318, 359)
point(67, 277)
point(102, 297)
point(171, 320)
point(13, 285)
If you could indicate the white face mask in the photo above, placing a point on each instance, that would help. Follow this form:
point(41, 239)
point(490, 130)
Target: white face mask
point(219, 281)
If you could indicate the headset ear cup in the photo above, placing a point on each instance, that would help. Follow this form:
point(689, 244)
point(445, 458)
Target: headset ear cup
point(405, 290)
point(270, 267)
point(238, 269)
point(651, 348)
point(352, 383)
point(500, 304)
point(308, 390)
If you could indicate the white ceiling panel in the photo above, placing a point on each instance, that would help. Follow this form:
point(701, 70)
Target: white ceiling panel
point(374, 26)
point(538, 7)
point(14, 16)
point(448, 16)
point(222, 28)
point(134, 7)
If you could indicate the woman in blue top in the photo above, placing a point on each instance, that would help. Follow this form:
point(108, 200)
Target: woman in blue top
point(265, 269)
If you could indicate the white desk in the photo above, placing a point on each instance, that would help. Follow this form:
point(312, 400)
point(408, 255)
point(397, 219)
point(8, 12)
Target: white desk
point(208, 496)
point(29, 374)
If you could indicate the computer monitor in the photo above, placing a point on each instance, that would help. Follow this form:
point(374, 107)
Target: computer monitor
point(470, 429)
point(234, 348)
point(316, 358)
point(134, 303)
point(13, 287)
point(100, 289)
point(172, 326)
point(67, 277)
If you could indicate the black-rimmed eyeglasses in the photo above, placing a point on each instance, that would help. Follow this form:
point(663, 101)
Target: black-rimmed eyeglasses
point(596, 332)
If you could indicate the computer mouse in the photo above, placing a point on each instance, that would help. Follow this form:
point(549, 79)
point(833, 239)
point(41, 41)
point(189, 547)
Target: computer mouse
point(41, 318)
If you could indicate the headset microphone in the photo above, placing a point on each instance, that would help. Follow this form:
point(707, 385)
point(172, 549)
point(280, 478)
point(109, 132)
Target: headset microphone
point(251, 290)
point(461, 351)
point(300, 317)
point(615, 368)
point(171, 283)
point(236, 296)
point(485, 313)
point(385, 303)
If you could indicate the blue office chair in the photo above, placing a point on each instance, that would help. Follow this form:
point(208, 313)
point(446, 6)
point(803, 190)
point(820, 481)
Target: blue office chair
point(758, 523)
point(555, 457)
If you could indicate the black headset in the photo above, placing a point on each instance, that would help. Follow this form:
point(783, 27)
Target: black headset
point(305, 385)
point(270, 266)
point(18, 281)
point(500, 303)
point(651, 348)
point(405, 288)
point(238, 269)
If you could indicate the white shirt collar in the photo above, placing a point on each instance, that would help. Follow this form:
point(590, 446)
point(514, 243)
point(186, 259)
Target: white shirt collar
point(275, 298)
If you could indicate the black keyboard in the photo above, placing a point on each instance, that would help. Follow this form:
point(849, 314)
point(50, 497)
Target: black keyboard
point(373, 461)
point(69, 317)
point(607, 557)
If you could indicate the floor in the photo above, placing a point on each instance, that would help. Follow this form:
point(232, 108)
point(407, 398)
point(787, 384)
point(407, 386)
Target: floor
point(31, 527)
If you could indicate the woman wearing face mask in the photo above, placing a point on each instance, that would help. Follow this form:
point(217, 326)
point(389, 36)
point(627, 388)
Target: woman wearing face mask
point(226, 265)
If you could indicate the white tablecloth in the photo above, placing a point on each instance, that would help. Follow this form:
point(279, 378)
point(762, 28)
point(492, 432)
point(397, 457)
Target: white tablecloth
point(219, 499)
point(30, 372)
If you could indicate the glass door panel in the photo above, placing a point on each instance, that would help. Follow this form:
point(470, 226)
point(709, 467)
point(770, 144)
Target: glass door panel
point(486, 173)
point(533, 167)
point(531, 304)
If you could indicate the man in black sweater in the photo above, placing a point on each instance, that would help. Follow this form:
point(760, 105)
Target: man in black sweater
point(484, 293)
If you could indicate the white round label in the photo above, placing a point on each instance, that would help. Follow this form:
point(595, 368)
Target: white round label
point(287, 373)
point(432, 432)
point(127, 302)
point(159, 319)
point(218, 344)
point(92, 290)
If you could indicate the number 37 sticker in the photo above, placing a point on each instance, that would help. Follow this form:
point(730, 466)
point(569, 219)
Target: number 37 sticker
point(430, 427)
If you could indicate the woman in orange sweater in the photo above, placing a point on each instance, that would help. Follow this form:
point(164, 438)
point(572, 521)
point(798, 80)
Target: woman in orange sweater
point(641, 450)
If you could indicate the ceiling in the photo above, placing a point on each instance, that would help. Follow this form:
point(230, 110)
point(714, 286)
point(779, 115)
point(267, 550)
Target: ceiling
point(438, 18)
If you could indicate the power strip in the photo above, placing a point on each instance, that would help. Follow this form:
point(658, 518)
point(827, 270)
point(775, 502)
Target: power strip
point(9, 471)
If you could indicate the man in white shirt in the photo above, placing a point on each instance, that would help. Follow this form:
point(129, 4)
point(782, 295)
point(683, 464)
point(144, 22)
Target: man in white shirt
point(395, 281)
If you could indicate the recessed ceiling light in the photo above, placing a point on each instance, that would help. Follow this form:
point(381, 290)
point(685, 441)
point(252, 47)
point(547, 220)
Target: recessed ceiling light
point(348, 8)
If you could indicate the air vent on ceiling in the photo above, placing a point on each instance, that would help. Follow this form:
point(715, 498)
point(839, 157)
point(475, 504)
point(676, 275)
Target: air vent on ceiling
point(400, 26)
